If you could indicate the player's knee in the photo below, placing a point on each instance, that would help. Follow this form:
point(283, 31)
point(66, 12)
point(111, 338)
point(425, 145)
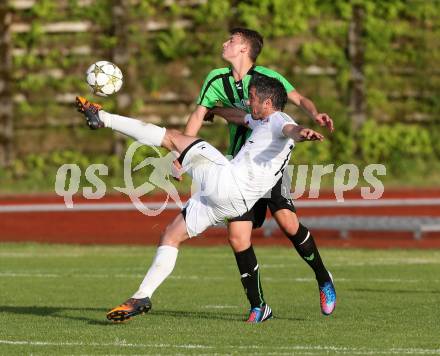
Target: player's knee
point(234, 238)
point(168, 237)
point(239, 235)
point(239, 241)
point(289, 226)
point(239, 245)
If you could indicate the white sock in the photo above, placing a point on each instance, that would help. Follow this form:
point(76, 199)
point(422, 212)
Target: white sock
point(162, 266)
point(145, 133)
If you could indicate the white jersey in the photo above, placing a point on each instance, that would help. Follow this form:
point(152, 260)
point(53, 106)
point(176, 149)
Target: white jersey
point(260, 162)
point(230, 188)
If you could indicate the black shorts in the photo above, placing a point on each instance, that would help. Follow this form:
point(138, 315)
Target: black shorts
point(277, 201)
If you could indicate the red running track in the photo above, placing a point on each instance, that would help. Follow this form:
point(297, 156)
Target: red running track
point(132, 227)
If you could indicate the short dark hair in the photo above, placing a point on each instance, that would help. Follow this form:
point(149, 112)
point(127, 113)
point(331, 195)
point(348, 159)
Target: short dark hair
point(253, 38)
point(269, 88)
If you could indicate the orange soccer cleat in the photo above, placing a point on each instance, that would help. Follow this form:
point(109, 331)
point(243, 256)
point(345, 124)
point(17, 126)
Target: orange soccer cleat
point(90, 111)
point(131, 307)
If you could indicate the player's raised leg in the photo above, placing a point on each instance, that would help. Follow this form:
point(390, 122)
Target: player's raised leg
point(161, 267)
point(146, 133)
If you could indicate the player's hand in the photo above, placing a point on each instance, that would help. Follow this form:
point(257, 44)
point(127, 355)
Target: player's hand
point(324, 120)
point(176, 170)
point(209, 116)
point(311, 135)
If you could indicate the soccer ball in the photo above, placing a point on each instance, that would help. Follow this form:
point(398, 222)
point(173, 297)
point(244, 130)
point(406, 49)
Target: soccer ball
point(104, 78)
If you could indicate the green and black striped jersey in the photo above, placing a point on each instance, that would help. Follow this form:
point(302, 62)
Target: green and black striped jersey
point(220, 87)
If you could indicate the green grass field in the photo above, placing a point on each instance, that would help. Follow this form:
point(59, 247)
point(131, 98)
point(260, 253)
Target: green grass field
point(54, 299)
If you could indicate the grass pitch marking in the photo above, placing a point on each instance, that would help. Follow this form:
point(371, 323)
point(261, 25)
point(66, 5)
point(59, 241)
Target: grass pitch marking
point(389, 262)
point(94, 344)
point(38, 255)
point(308, 349)
point(12, 274)
point(25, 275)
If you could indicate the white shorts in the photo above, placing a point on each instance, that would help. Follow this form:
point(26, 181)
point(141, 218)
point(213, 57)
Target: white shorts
point(218, 197)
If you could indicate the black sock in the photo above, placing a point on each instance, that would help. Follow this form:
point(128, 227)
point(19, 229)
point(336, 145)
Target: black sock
point(250, 276)
point(305, 246)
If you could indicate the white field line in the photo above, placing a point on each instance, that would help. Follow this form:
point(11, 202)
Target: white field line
point(39, 255)
point(94, 344)
point(135, 252)
point(384, 262)
point(340, 263)
point(37, 275)
point(275, 265)
point(11, 274)
point(379, 262)
point(317, 348)
point(318, 203)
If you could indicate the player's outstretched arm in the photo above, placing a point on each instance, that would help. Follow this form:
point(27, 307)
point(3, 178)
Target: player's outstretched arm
point(309, 108)
point(233, 115)
point(195, 121)
point(299, 133)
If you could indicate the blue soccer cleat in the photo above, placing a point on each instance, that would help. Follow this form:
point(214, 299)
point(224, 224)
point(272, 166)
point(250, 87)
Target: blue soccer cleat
point(258, 315)
point(327, 296)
